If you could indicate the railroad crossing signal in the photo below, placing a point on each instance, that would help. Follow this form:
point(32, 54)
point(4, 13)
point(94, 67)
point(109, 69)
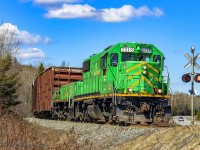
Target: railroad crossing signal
point(197, 78)
point(186, 78)
point(190, 61)
point(190, 76)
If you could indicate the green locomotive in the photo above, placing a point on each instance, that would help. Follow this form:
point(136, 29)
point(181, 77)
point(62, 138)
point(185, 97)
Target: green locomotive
point(123, 84)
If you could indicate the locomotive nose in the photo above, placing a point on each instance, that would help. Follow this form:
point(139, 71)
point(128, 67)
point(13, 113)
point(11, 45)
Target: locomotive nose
point(142, 77)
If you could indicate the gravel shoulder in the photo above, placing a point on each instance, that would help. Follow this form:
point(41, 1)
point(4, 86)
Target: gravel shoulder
point(97, 136)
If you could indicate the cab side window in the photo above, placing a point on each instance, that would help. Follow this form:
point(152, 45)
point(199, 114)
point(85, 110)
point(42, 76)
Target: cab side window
point(104, 62)
point(157, 58)
point(114, 59)
point(86, 66)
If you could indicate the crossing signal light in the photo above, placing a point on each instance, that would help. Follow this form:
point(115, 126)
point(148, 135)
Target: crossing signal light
point(197, 78)
point(187, 78)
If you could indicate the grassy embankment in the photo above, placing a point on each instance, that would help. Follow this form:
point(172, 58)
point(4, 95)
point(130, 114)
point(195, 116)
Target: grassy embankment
point(176, 138)
point(16, 133)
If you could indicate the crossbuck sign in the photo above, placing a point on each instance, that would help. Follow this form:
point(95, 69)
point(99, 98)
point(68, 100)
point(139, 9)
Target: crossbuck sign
point(190, 61)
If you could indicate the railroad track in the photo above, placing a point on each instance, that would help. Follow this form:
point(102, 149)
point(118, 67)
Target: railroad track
point(152, 125)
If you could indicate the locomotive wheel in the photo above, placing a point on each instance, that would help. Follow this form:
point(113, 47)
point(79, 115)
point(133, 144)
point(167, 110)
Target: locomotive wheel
point(113, 122)
point(122, 123)
point(48, 115)
point(126, 124)
point(85, 116)
point(81, 119)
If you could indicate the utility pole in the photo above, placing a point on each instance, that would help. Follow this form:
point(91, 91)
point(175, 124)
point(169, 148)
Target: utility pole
point(187, 77)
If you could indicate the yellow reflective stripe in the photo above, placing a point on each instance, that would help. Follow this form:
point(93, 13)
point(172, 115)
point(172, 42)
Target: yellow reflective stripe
point(136, 82)
point(143, 78)
point(152, 68)
point(137, 73)
point(134, 67)
point(144, 95)
point(130, 77)
point(121, 95)
point(152, 76)
point(148, 81)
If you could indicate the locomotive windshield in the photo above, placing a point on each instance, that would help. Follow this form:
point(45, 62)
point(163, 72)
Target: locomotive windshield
point(127, 57)
point(133, 57)
point(143, 58)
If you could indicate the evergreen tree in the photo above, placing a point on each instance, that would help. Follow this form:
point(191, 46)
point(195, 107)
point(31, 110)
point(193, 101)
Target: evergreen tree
point(41, 68)
point(8, 84)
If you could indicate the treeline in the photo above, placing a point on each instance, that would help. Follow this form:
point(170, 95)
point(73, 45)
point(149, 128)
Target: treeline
point(15, 78)
point(181, 104)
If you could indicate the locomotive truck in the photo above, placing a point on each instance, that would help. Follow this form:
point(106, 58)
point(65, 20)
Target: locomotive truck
point(126, 83)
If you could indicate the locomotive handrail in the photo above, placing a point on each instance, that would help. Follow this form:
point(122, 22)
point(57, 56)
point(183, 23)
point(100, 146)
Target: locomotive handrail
point(117, 83)
point(168, 78)
point(71, 100)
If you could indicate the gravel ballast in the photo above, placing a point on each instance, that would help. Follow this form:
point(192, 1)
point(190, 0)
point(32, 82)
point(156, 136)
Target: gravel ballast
point(100, 136)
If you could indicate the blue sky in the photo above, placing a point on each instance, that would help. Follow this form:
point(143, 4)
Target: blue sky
point(72, 30)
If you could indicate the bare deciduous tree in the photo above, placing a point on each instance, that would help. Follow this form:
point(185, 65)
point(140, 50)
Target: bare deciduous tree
point(9, 41)
point(181, 104)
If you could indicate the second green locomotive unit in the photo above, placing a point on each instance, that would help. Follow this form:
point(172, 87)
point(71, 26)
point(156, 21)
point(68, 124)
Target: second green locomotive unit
point(125, 84)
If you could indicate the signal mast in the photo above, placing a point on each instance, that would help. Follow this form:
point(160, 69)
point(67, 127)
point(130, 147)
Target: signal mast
point(190, 77)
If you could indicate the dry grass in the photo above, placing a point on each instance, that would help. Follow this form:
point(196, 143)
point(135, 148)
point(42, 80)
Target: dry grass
point(177, 138)
point(15, 133)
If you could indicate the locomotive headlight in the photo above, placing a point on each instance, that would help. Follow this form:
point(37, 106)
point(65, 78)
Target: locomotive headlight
point(144, 67)
point(130, 89)
point(144, 72)
point(159, 91)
